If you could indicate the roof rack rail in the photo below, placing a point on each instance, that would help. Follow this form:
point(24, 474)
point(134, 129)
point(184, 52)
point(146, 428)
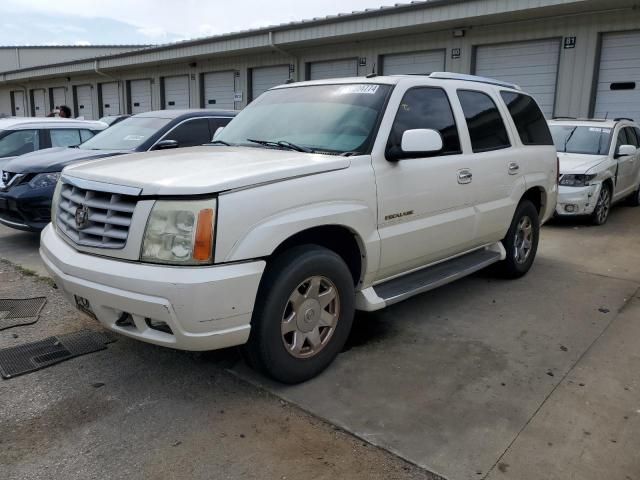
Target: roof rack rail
point(563, 117)
point(623, 118)
point(472, 78)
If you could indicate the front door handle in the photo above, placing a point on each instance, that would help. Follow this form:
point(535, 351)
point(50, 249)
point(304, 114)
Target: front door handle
point(514, 168)
point(465, 176)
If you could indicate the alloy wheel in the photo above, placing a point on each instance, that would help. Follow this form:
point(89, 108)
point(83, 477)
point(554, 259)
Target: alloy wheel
point(523, 240)
point(310, 317)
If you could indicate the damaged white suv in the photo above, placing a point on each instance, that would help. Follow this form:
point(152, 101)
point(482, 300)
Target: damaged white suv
point(318, 199)
point(599, 165)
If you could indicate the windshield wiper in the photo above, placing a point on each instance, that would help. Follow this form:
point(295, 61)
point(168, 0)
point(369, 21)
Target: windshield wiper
point(568, 139)
point(281, 144)
point(220, 142)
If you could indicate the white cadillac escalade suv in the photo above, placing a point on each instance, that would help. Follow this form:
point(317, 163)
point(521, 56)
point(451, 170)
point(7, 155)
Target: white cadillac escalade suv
point(320, 198)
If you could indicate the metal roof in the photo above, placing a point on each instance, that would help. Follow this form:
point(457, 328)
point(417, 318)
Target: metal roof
point(193, 112)
point(12, 47)
point(13, 123)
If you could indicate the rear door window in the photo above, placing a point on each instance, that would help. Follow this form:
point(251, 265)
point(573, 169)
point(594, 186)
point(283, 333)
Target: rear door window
point(486, 127)
point(191, 133)
point(424, 107)
point(529, 120)
point(68, 137)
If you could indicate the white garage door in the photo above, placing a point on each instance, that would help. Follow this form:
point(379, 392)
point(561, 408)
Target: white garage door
point(532, 65)
point(264, 78)
point(19, 105)
point(84, 101)
point(618, 92)
point(39, 103)
point(416, 62)
point(140, 91)
point(176, 92)
point(59, 95)
point(333, 69)
point(219, 90)
point(110, 98)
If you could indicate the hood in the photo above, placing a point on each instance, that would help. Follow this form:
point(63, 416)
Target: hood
point(53, 159)
point(4, 161)
point(203, 170)
point(579, 163)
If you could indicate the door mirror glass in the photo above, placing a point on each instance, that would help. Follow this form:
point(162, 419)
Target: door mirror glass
point(421, 140)
point(626, 150)
point(166, 144)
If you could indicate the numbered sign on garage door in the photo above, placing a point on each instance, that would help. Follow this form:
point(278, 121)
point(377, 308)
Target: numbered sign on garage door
point(333, 69)
point(110, 98)
point(618, 92)
point(140, 95)
point(84, 101)
point(19, 104)
point(411, 63)
point(264, 78)
point(176, 92)
point(532, 65)
point(59, 96)
point(39, 103)
point(219, 90)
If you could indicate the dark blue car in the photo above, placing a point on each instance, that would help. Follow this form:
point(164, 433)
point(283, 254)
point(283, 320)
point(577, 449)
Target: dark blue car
point(27, 183)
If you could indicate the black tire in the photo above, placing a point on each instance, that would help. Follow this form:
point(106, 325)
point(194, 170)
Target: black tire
point(601, 212)
point(267, 350)
point(516, 266)
point(634, 199)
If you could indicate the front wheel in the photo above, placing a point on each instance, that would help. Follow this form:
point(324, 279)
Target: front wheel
point(521, 242)
point(600, 214)
point(303, 314)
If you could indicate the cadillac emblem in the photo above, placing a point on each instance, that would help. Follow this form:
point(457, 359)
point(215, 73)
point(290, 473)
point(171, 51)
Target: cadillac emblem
point(82, 217)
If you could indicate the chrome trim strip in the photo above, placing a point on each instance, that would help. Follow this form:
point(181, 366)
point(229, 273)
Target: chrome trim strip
point(9, 223)
point(101, 186)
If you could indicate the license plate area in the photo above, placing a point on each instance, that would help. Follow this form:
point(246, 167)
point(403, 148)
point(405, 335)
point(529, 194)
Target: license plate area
point(84, 306)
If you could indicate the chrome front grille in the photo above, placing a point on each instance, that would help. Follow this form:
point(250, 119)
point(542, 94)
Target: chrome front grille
point(93, 218)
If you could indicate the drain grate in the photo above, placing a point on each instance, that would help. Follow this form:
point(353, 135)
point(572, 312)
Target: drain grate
point(19, 312)
point(34, 356)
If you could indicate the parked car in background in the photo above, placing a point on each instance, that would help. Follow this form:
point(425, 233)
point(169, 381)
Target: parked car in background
point(111, 120)
point(599, 165)
point(24, 135)
point(320, 198)
point(27, 183)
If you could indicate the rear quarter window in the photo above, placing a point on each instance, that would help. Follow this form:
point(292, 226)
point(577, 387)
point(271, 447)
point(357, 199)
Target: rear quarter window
point(529, 120)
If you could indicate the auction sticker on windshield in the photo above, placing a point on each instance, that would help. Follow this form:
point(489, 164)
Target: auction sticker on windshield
point(361, 89)
point(600, 130)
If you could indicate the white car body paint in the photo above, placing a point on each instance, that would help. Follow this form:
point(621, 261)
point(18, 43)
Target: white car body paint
point(623, 174)
point(405, 215)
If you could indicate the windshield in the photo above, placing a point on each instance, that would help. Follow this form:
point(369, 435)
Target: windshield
point(322, 118)
point(128, 134)
point(18, 142)
point(584, 140)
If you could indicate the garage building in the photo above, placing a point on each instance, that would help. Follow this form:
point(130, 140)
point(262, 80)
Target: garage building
point(577, 57)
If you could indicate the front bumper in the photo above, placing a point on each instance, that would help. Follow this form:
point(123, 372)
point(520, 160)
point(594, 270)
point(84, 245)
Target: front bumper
point(577, 200)
point(206, 308)
point(25, 208)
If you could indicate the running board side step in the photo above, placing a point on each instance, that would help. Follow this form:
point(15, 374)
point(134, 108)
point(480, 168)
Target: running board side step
point(429, 278)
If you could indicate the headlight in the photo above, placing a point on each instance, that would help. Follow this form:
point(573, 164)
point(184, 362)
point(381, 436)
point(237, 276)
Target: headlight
point(54, 203)
point(43, 180)
point(576, 180)
point(180, 233)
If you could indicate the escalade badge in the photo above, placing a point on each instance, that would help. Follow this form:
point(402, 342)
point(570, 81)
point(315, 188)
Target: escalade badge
point(82, 217)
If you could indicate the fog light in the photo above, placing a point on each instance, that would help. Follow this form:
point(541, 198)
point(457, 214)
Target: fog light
point(570, 208)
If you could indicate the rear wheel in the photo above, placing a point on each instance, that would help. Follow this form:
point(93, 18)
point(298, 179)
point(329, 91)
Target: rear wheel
point(303, 314)
point(600, 214)
point(521, 242)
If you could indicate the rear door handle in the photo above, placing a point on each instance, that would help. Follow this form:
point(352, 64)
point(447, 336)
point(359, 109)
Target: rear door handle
point(465, 176)
point(514, 168)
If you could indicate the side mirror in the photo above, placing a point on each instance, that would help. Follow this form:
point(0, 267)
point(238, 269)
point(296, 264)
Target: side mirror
point(218, 131)
point(421, 141)
point(626, 151)
point(166, 145)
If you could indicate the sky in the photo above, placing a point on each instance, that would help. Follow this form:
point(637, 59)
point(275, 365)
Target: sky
point(95, 22)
